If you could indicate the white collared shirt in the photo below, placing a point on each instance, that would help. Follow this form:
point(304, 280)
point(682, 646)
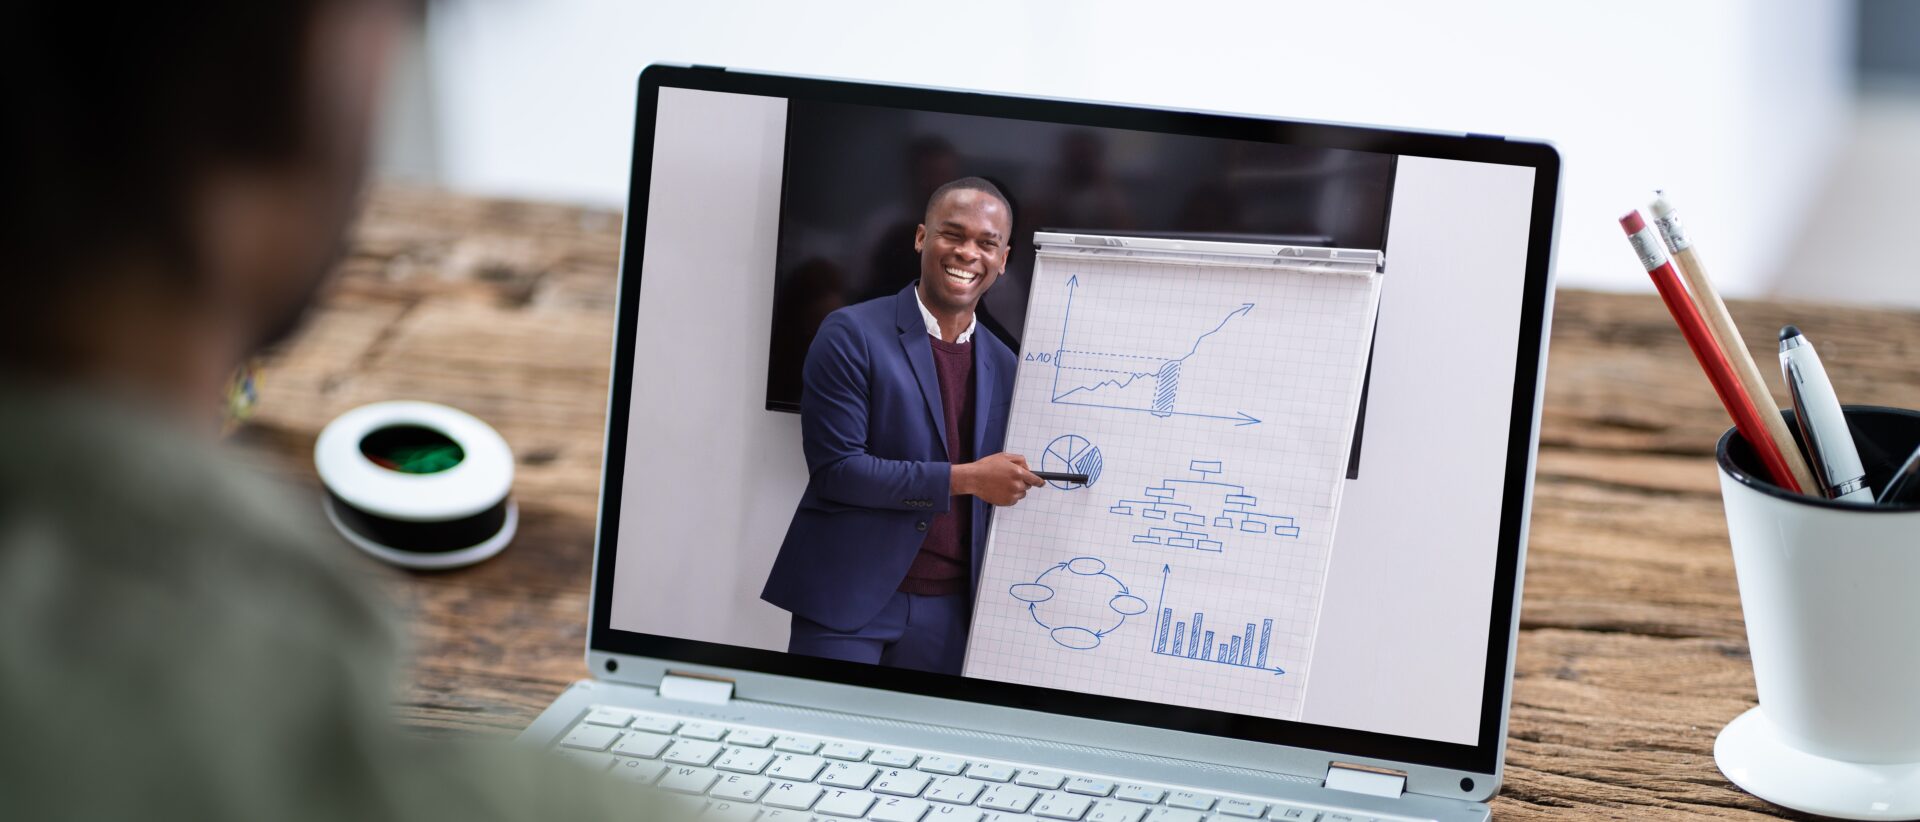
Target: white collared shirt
point(933, 323)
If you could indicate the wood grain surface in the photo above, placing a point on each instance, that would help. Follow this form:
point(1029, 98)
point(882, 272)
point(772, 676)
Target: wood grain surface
point(1632, 653)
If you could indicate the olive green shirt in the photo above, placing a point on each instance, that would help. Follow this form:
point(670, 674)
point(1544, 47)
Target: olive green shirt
point(182, 640)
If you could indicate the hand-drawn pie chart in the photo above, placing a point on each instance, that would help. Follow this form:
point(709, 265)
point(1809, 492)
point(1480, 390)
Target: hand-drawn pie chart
point(1072, 454)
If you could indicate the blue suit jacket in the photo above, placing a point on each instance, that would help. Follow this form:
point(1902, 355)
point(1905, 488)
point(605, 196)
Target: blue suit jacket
point(875, 440)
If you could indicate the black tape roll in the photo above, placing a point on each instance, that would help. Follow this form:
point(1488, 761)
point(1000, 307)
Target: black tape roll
point(421, 537)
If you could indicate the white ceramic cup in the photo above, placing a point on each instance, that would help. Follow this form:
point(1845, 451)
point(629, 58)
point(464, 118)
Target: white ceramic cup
point(1831, 595)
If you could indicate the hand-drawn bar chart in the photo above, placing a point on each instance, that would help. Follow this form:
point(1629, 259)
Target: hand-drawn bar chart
point(1199, 513)
point(1133, 380)
point(1194, 638)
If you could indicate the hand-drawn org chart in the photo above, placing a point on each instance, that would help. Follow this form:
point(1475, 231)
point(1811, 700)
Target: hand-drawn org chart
point(1209, 391)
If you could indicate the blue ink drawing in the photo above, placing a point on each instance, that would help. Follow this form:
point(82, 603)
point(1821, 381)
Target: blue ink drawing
point(1200, 513)
point(1072, 454)
point(1194, 640)
point(1130, 381)
point(1078, 602)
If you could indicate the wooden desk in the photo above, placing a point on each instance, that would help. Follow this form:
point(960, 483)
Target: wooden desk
point(1632, 653)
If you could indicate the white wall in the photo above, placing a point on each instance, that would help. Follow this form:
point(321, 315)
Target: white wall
point(535, 96)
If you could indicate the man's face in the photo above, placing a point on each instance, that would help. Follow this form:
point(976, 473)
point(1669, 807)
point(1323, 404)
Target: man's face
point(963, 248)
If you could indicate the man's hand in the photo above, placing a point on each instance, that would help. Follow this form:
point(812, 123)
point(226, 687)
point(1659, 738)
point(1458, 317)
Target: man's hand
point(1001, 479)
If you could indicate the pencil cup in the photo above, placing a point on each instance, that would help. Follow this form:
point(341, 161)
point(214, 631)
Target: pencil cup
point(1831, 595)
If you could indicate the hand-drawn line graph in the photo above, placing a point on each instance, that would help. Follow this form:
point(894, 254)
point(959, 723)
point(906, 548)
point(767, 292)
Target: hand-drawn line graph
point(1129, 381)
point(1192, 640)
point(1078, 602)
point(1072, 454)
point(1179, 502)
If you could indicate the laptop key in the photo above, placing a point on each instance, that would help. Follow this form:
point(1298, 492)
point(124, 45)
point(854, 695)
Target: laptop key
point(692, 752)
point(953, 813)
point(1048, 780)
point(642, 744)
point(589, 738)
point(703, 730)
point(1172, 815)
point(844, 750)
point(796, 767)
point(1090, 787)
point(1243, 808)
point(891, 758)
point(745, 760)
point(1139, 793)
point(849, 804)
point(943, 765)
point(740, 788)
point(896, 809)
point(796, 744)
point(1010, 799)
point(730, 812)
point(654, 723)
point(958, 790)
point(689, 780)
point(795, 796)
point(992, 772)
point(848, 775)
point(1293, 814)
point(898, 782)
point(1001, 816)
point(1062, 806)
point(1107, 810)
point(642, 771)
point(1190, 800)
point(610, 717)
point(747, 738)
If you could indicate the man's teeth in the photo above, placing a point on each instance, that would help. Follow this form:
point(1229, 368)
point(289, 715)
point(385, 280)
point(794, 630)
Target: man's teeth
point(957, 274)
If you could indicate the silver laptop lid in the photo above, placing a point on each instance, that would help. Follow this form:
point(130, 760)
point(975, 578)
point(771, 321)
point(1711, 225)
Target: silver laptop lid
point(1354, 592)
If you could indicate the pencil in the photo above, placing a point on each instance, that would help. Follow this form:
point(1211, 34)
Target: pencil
point(1707, 300)
point(1705, 349)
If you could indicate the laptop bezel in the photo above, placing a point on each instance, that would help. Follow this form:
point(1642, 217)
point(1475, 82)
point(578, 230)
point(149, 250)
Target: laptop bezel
point(641, 658)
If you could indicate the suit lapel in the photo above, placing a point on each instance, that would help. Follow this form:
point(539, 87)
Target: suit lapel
point(913, 340)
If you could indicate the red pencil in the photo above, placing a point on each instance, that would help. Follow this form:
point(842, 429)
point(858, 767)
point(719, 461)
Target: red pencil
point(1713, 359)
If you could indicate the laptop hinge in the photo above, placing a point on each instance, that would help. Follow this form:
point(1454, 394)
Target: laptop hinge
point(702, 688)
point(1344, 776)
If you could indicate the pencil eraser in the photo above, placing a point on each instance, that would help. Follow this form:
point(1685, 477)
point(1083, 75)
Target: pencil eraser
point(1633, 222)
point(1789, 332)
point(1661, 208)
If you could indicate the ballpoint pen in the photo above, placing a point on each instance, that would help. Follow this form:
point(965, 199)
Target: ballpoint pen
point(1823, 427)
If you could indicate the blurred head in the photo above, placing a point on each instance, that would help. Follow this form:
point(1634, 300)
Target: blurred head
point(179, 171)
point(963, 244)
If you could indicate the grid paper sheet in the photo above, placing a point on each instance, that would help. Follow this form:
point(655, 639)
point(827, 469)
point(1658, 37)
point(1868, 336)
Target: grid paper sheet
point(1212, 402)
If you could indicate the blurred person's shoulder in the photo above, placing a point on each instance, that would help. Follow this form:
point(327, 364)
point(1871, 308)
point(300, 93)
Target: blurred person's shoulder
point(138, 496)
point(135, 544)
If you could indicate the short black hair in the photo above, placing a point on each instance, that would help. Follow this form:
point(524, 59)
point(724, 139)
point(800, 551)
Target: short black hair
point(980, 184)
point(117, 118)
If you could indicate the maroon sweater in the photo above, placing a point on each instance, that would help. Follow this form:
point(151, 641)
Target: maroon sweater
point(943, 565)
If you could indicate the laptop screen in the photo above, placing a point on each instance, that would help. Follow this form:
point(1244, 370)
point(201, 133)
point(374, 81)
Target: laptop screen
point(1281, 380)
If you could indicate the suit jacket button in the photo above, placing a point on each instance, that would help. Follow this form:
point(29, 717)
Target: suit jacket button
point(920, 526)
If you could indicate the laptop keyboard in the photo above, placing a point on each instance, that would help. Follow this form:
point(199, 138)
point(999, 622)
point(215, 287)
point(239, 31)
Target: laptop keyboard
point(745, 774)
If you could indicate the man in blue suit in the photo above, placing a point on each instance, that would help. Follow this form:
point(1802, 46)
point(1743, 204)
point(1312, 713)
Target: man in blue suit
point(903, 412)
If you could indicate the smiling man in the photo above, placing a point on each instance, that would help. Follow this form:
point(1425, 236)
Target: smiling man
point(903, 412)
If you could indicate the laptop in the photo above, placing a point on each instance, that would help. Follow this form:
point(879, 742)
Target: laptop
point(1287, 377)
